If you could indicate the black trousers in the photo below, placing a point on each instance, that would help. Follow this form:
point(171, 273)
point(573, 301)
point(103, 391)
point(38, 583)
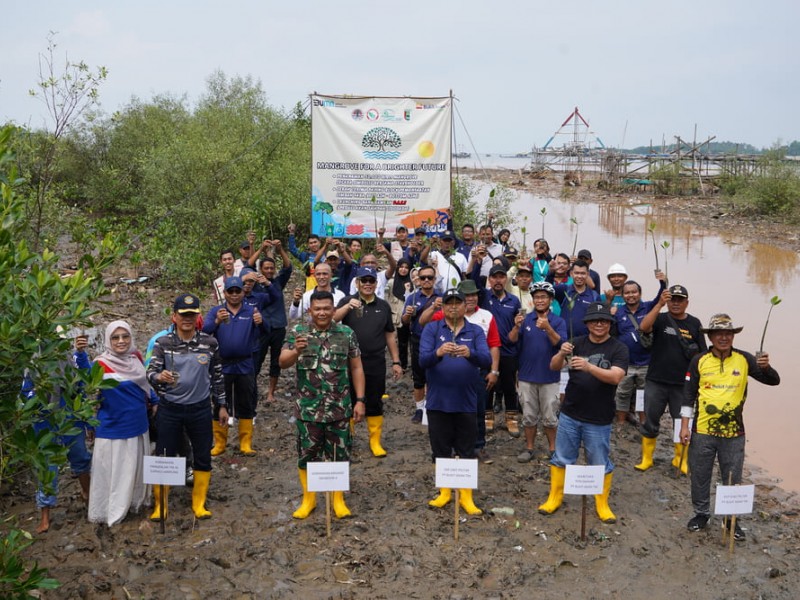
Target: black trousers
point(452, 434)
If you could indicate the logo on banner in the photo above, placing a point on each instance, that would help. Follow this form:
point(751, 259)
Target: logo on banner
point(357, 114)
point(327, 103)
point(377, 140)
point(373, 114)
point(407, 114)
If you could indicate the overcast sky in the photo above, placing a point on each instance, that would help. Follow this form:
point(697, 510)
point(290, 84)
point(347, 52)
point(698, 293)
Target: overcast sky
point(638, 71)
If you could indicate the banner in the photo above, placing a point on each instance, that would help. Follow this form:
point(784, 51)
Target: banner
point(379, 163)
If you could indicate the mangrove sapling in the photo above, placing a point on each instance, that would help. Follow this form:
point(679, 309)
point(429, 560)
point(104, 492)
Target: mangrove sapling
point(773, 302)
point(652, 228)
point(374, 214)
point(543, 212)
point(524, 230)
point(665, 245)
point(574, 221)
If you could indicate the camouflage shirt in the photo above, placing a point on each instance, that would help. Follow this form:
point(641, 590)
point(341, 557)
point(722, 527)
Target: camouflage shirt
point(323, 375)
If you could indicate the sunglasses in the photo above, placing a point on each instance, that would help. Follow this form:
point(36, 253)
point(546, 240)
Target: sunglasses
point(427, 277)
point(368, 280)
point(234, 291)
point(116, 338)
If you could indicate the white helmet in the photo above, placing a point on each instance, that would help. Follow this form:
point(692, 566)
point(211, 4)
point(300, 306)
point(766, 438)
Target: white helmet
point(616, 269)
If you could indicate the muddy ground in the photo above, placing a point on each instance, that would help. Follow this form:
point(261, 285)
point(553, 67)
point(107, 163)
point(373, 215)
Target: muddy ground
point(394, 546)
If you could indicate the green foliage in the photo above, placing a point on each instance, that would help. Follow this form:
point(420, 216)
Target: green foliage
point(773, 191)
point(466, 205)
point(68, 93)
point(186, 181)
point(18, 580)
point(36, 300)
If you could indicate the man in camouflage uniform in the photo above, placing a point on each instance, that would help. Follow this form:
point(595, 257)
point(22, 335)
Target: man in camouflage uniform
point(328, 359)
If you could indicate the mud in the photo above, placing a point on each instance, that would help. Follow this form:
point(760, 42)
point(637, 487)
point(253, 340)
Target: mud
point(394, 546)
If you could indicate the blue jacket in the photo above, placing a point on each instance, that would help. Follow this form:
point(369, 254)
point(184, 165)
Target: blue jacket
point(453, 382)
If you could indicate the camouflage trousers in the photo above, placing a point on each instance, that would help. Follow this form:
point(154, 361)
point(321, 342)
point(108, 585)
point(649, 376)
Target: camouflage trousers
point(323, 441)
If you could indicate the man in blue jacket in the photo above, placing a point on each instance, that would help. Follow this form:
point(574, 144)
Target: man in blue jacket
point(453, 351)
point(236, 325)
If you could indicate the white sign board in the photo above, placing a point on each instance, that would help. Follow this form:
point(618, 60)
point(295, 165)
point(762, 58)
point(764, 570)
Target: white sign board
point(584, 480)
point(379, 162)
point(639, 401)
point(457, 473)
point(328, 476)
point(165, 470)
point(734, 499)
point(676, 430)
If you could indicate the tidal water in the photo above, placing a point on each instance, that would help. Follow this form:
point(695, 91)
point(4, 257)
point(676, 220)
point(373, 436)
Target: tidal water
point(722, 272)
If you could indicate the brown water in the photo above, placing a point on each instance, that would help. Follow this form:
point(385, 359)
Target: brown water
point(722, 273)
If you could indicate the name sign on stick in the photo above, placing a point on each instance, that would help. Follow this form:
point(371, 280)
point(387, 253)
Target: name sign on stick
point(329, 477)
point(676, 430)
point(584, 480)
point(457, 473)
point(165, 470)
point(734, 499)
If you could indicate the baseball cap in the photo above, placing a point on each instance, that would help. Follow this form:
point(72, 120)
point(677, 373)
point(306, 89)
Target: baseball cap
point(598, 312)
point(679, 291)
point(420, 231)
point(332, 253)
point(584, 254)
point(498, 269)
point(233, 282)
point(451, 294)
point(401, 228)
point(366, 272)
point(186, 303)
point(244, 244)
point(448, 235)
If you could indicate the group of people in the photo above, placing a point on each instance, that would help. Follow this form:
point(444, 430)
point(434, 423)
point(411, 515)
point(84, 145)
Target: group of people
point(484, 329)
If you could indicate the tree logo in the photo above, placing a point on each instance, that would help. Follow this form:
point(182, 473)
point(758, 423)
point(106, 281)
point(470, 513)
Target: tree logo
point(381, 138)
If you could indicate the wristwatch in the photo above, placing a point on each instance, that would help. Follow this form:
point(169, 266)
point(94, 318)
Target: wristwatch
point(396, 362)
point(362, 399)
point(494, 373)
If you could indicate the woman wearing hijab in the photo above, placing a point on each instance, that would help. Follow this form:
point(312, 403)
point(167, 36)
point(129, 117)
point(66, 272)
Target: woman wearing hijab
point(399, 288)
point(121, 438)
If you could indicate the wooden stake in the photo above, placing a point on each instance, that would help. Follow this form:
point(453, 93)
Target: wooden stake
point(724, 528)
point(328, 513)
point(455, 525)
point(583, 518)
point(732, 529)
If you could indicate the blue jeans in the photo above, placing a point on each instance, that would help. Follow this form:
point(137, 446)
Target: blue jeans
point(195, 420)
point(80, 462)
point(596, 443)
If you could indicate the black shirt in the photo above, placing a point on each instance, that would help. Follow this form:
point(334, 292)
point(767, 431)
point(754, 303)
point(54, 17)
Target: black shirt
point(372, 326)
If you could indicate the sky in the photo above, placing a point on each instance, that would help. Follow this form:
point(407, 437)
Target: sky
point(639, 72)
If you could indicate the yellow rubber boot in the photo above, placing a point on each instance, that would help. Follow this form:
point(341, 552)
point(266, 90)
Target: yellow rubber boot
point(648, 447)
point(156, 516)
point(246, 437)
point(375, 426)
point(465, 501)
point(556, 497)
point(199, 493)
point(309, 502)
point(445, 495)
point(220, 438)
point(680, 449)
point(601, 501)
point(339, 507)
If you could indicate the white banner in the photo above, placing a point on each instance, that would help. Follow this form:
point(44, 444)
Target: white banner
point(379, 163)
